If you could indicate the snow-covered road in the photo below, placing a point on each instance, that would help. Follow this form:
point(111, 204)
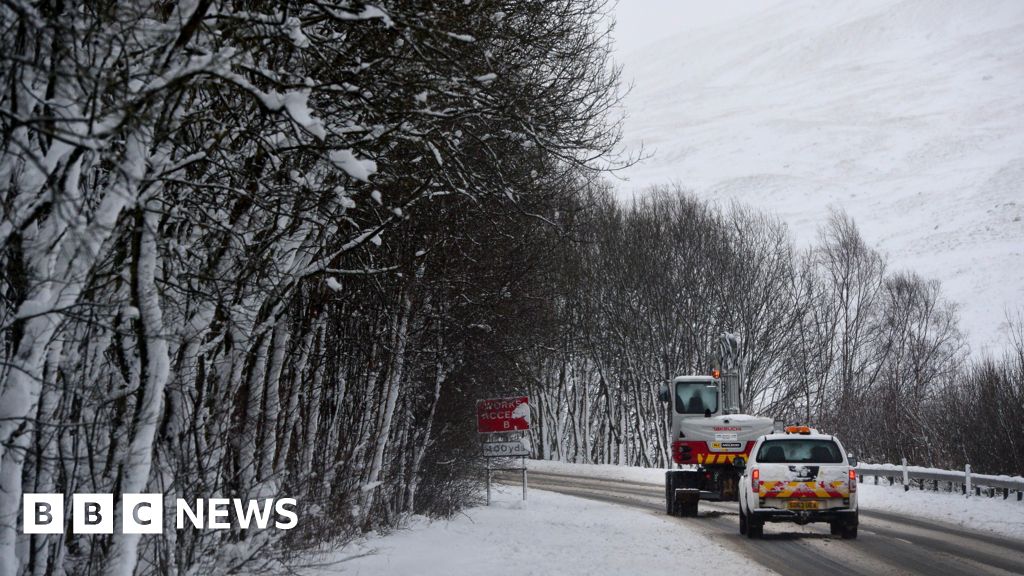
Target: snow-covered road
point(889, 543)
point(610, 520)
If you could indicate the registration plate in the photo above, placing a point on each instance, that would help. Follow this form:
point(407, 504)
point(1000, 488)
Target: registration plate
point(802, 504)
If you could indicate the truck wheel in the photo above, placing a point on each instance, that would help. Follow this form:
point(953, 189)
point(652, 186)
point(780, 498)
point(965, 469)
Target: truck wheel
point(849, 532)
point(754, 529)
point(684, 510)
point(743, 522)
point(673, 479)
point(835, 527)
point(670, 489)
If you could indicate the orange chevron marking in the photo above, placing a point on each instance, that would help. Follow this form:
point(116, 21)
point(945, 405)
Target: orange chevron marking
point(780, 489)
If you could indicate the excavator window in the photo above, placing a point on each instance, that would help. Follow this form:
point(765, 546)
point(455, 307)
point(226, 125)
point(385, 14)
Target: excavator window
point(695, 405)
point(696, 398)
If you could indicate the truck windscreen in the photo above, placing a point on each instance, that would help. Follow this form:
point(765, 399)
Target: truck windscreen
point(696, 397)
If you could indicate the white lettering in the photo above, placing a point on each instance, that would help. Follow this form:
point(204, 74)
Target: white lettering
point(281, 510)
point(215, 513)
point(251, 511)
point(194, 516)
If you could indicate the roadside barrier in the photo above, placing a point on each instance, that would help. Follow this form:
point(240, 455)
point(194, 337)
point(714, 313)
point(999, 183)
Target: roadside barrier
point(963, 481)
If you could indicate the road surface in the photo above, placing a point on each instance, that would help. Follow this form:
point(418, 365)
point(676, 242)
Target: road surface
point(886, 544)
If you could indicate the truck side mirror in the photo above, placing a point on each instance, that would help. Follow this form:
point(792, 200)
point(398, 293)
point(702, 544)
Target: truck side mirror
point(663, 393)
point(739, 464)
point(852, 459)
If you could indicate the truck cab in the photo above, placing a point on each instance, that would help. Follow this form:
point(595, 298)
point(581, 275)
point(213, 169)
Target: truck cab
point(799, 476)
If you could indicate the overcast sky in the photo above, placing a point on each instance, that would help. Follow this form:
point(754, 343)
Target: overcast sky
point(640, 22)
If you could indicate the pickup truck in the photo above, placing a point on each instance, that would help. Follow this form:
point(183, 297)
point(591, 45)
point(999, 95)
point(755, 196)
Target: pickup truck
point(798, 476)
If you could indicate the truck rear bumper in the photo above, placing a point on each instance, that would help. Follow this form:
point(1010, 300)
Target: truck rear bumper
point(844, 515)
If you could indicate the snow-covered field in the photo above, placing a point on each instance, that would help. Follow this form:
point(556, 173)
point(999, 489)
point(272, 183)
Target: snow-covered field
point(579, 537)
point(906, 113)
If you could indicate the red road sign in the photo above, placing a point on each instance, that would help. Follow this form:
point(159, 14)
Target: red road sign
point(502, 414)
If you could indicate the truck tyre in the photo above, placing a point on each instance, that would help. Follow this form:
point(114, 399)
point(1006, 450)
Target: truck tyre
point(835, 527)
point(848, 529)
point(683, 510)
point(680, 479)
point(743, 522)
point(669, 491)
point(755, 529)
point(689, 510)
point(672, 481)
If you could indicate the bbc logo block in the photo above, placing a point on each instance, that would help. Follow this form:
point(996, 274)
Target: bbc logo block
point(44, 513)
point(93, 513)
point(144, 513)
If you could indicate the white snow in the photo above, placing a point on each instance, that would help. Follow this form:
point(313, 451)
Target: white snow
point(978, 513)
point(603, 471)
point(359, 169)
point(548, 534)
point(368, 13)
point(461, 37)
point(905, 113)
point(295, 33)
point(370, 486)
point(437, 154)
point(522, 411)
point(297, 105)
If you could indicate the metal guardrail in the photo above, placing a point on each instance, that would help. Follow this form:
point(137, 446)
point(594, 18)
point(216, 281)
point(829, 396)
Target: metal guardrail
point(963, 481)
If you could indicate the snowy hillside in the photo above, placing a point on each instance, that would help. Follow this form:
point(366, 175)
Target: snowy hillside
point(907, 114)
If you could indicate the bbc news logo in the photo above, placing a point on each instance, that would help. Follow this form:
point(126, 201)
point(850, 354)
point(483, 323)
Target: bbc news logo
point(144, 513)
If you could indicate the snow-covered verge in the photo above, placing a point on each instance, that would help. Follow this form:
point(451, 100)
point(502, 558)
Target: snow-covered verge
point(994, 515)
point(603, 471)
point(549, 534)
